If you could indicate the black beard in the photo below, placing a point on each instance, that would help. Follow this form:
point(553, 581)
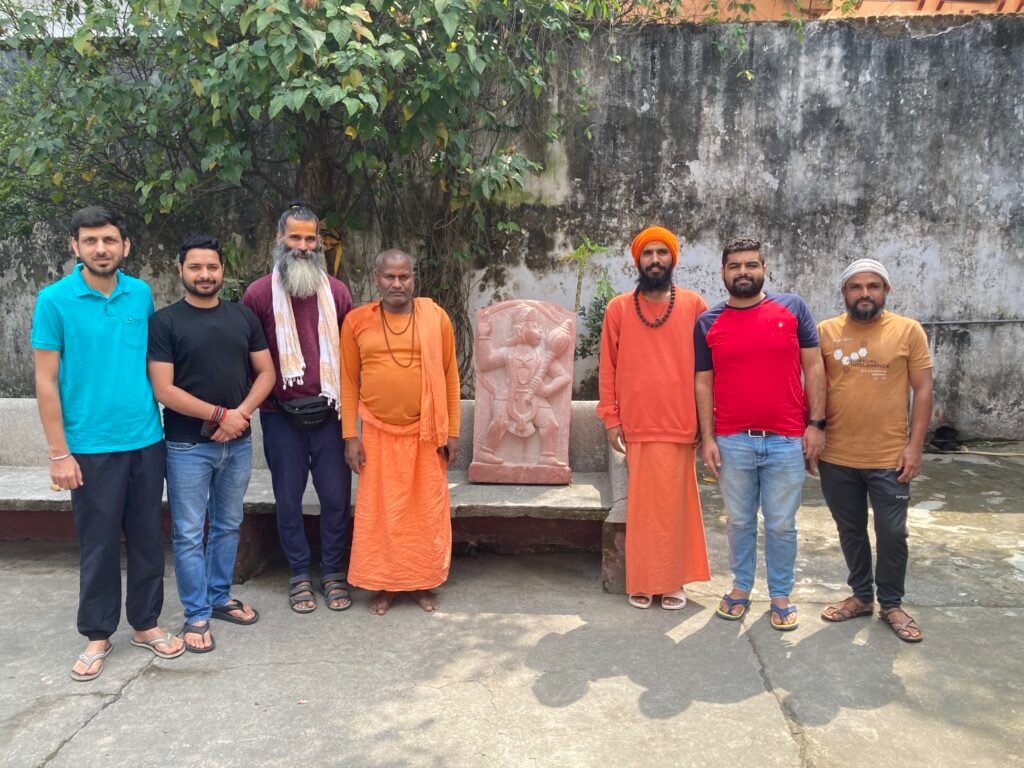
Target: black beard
point(865, 314)
point(204, 293)
point(746, 291)
point(650, 283)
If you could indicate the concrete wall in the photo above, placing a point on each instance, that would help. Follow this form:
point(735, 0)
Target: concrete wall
point(902, 140)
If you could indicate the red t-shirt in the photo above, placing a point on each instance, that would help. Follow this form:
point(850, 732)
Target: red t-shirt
point(754, 353)
point(259, 299)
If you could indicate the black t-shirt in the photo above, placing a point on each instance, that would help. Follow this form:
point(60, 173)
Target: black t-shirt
point(210, 352)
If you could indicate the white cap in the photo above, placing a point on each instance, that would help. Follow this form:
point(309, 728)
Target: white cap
point(865, 265)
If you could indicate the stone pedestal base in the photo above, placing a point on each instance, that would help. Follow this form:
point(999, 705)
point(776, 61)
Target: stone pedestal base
point(512, 474)
point(613, 558)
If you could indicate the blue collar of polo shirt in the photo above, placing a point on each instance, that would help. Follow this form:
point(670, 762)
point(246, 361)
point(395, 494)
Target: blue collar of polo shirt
point(82, 288)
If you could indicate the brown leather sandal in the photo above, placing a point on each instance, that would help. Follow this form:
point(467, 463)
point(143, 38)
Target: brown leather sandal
point(905, 627)
point(850, 608)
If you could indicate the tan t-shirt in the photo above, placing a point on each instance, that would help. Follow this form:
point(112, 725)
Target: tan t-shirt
point(868, 366)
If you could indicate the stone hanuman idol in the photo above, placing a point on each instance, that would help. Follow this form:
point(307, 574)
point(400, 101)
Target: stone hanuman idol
point(525, 373)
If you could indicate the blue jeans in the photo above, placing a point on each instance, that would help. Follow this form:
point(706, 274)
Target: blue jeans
point(766, 472)
point(205, 477)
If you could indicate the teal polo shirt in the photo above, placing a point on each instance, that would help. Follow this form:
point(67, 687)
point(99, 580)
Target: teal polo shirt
point(105, 394)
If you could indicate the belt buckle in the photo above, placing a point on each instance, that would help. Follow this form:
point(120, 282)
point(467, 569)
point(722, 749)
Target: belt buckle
point(758, 432)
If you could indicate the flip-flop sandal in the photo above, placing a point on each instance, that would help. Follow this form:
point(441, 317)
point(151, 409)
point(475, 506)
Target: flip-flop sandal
point(300, 590)
point(897, 626)
point(731, 602)
point(680, 595)
point(636, 600)
point(847, 609)
point(782, 613)
point(332, 585)
point(164, 639)
point(89, 659)
point(198, 629)
point(223, 612)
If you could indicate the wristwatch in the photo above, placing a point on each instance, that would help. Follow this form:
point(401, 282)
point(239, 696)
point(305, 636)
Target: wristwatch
point(818, 423)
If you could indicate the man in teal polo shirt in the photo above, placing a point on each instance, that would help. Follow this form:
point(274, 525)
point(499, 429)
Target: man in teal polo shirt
point(103, 429)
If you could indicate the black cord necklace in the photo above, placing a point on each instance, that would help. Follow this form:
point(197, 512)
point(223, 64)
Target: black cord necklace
point(386, 327)
point(661, 319)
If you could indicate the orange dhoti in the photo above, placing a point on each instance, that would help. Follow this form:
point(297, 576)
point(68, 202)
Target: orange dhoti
point(665, 547)
point(402, 539)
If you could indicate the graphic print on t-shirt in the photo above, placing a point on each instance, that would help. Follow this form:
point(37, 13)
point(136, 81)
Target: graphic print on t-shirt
point(854, 355)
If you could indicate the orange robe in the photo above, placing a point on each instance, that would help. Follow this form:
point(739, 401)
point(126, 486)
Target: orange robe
point(646, 381)
point(402, 537)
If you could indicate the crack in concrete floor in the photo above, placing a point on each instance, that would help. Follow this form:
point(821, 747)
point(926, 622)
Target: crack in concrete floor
point(114, 698)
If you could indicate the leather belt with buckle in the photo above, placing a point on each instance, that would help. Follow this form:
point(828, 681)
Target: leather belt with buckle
point(760, 433)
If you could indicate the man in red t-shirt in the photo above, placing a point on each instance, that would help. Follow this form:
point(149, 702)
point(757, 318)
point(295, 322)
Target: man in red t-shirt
point(751, 352)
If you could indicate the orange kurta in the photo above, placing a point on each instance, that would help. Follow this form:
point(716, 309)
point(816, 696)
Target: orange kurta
point(402, 535)
point(646, 386)
point(370, 375)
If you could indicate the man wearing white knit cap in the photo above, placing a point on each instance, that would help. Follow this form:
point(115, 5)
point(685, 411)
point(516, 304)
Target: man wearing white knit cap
point(874, 359)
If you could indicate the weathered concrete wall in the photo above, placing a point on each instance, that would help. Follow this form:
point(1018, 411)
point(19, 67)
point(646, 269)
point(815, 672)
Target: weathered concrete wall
point(30, 263)
point(902, 140)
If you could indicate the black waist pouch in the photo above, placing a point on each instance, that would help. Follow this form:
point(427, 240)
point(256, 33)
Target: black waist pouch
point(306, 412)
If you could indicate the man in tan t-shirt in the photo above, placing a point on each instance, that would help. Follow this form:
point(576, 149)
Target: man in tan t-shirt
point(873, 360)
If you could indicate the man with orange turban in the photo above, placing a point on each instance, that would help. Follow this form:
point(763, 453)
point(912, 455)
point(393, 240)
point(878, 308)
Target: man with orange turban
point(647, 405)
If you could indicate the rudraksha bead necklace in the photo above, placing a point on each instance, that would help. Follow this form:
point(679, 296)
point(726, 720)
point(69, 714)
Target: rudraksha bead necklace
point(661, 319)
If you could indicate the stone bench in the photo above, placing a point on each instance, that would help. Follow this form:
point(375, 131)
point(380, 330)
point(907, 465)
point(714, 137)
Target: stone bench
point(588, 514)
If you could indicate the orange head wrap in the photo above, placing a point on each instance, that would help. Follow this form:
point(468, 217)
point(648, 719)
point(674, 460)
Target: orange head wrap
point(651, 234)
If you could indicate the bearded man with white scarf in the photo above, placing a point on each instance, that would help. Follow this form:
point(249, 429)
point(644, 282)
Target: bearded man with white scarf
point(301, 308)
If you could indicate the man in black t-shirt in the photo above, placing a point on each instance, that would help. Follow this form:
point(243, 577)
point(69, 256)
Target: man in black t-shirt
point(210, 368)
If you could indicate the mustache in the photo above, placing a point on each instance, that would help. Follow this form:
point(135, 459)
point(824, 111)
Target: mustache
point(283, 254)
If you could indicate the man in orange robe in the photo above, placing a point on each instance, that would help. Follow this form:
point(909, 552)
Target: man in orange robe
point(400, 375)
point(647, 404)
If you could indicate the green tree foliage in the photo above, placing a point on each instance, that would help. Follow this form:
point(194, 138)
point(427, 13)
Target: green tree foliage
point(401, 118)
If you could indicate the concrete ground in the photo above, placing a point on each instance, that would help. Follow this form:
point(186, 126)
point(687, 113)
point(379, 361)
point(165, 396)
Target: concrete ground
point(530, 663)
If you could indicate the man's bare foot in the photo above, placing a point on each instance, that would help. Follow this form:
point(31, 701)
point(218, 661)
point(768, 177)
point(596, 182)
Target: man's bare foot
point(82, 671)
point(426, 600)
point(159, 641)
point(380, 602)
point(197, 641)
point(734, 610)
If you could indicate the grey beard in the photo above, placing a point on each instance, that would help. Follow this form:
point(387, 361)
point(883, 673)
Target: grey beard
point(299, 276)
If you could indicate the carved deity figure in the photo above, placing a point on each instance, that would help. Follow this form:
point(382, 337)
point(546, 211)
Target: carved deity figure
point(522, 371)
